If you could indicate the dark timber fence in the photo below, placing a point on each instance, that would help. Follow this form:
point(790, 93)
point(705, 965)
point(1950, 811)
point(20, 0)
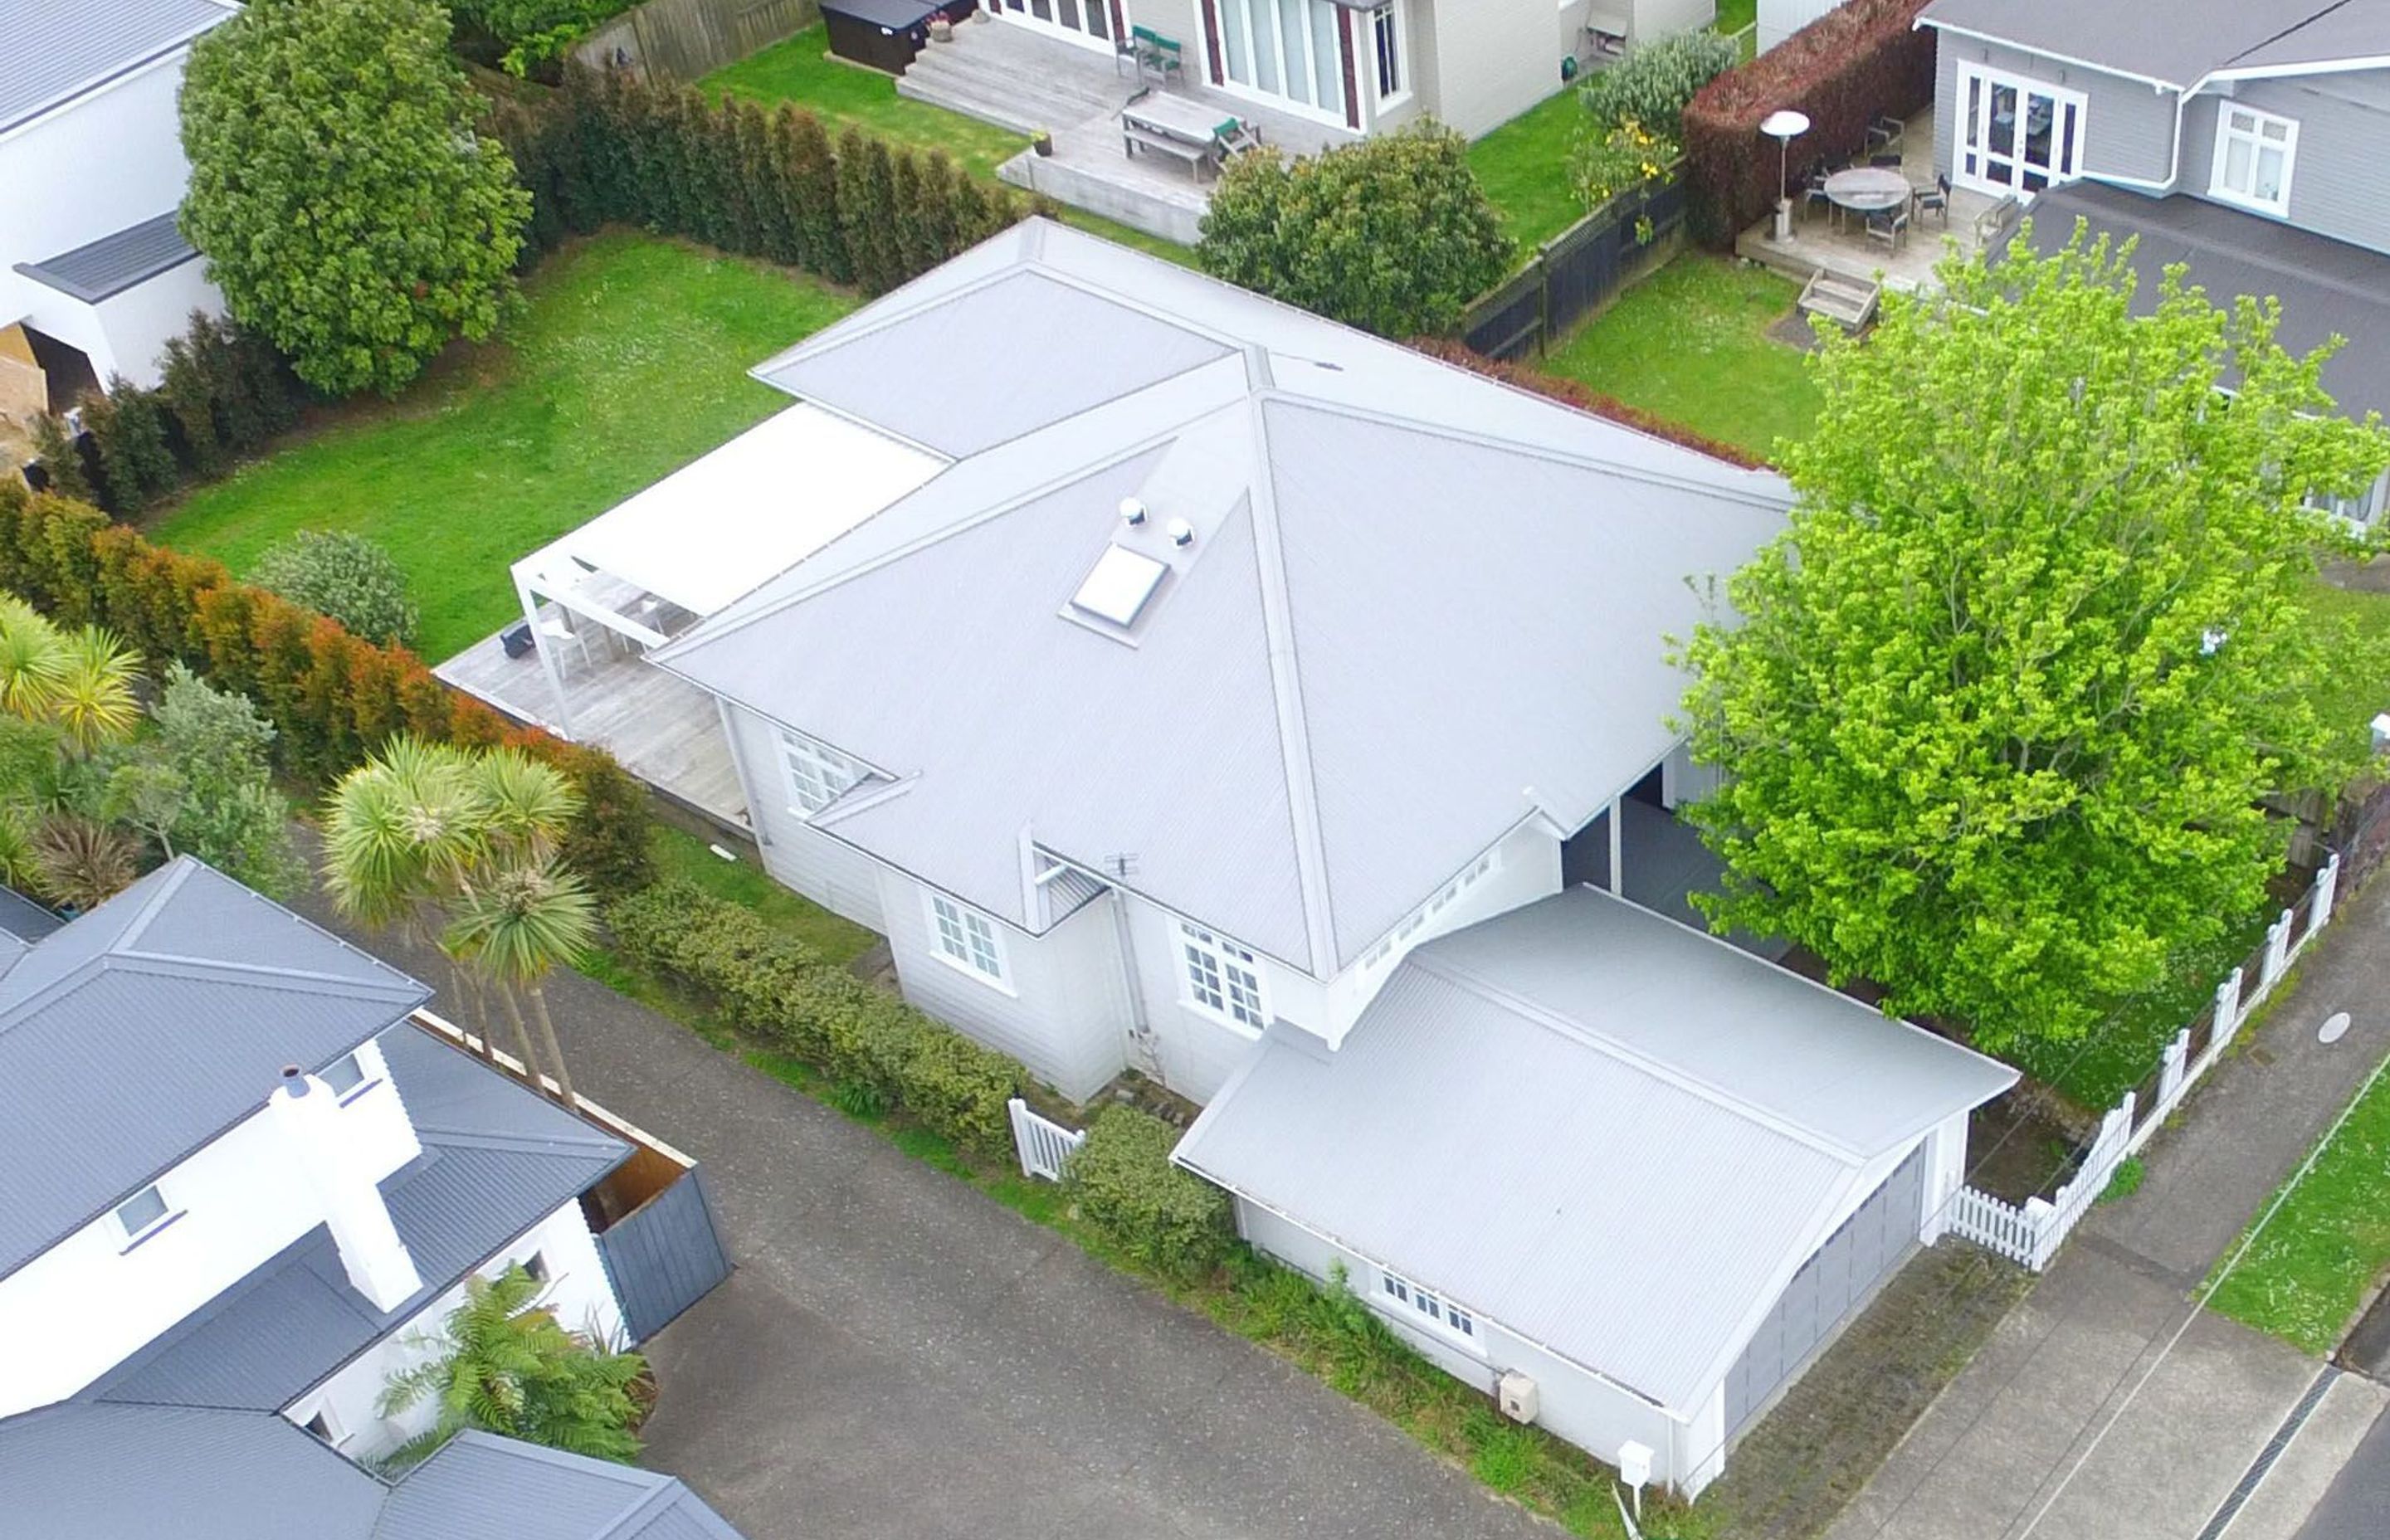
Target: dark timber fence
point(670, 42)
point(1579, 271)
point(665, 1255)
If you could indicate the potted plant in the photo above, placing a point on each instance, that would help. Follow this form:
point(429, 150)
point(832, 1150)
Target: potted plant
point(1042, 142)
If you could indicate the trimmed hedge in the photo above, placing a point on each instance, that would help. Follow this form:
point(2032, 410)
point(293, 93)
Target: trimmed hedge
point(609, 149)
point(1585, 399)
point(332, 697)
point(1165, 1217)
point(1859, 61)
point(784, 993)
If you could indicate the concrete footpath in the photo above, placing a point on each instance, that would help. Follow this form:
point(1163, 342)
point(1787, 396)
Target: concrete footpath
point(2062, 1429)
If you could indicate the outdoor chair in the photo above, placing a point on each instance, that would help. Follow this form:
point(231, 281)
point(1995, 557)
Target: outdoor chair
point(1236, 136)
point(1885, 131)
point(1933, 199)
point(1889, 227)
point(1885, 162)
point(1158, 57)
point(1814, 193)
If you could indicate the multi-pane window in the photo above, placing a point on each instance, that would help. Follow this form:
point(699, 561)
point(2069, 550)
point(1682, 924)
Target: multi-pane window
point(1445, 1314)
point(1222, 977)
point(818, 773)
point(1386, 43)
point(1432, 907)
point(2359, 509)
point(2254, 151)
point(142, 1212)
point(967, 938)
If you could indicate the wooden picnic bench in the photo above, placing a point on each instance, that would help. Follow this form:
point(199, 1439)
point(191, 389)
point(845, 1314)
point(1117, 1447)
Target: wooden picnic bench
point(1184, 130)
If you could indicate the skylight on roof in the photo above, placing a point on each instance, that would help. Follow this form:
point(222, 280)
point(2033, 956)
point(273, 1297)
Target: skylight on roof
point(1119, 584)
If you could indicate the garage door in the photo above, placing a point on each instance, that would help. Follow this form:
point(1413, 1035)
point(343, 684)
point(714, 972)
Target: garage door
point(1869, 1242)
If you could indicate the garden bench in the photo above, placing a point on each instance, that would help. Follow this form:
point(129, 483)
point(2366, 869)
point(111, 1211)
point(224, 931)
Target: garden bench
point(1989, 224)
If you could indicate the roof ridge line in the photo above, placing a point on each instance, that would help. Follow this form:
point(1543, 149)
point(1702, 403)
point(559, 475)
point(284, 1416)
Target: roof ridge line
point(1477, 984)
point(650, 1502)
point(1286, 679)
point(357, 987)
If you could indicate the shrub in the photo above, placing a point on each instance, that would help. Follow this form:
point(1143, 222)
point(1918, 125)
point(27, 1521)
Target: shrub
point(1617, 158)
point(1123, 1184)
point(344, 576)
point(128, 427)
point(1392, 235)
point(61, 458)
point(1859, 61)
point(1652, 84)
point(875, 1049)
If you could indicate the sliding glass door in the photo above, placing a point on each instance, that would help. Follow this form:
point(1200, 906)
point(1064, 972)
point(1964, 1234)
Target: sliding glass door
point(1291, 49)
point(2015, 134)
point(1088, 21)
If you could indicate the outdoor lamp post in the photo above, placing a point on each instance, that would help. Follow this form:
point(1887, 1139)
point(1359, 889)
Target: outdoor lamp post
point(1784, 125)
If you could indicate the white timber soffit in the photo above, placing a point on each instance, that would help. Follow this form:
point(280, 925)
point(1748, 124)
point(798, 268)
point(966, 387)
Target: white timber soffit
point(739, 516)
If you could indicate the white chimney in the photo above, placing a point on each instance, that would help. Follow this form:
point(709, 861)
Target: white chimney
point(376, 1259)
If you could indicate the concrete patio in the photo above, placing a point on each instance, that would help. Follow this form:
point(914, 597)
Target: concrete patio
point(666, 732)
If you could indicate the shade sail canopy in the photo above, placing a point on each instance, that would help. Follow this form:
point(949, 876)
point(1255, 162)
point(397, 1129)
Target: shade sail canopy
point(749, 512)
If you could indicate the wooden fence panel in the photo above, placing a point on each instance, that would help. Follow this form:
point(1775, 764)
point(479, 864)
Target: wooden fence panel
point(1576, 273)
point(665, 1256)
point(670, 42)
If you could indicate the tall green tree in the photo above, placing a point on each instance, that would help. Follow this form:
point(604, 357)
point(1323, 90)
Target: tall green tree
point(346, 205)
point(503, 1363)
point(2005, 694)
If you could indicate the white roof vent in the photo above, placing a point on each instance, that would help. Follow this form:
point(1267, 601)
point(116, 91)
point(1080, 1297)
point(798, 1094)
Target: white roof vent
point(1117, 587)
point(1181, 533)
point(1132, 512)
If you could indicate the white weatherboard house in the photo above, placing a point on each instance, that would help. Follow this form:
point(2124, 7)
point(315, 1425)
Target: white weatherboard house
point(1249, 703)
point(246, 1184)
point(94, 278)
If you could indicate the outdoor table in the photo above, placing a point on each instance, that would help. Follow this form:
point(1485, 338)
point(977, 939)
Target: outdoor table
point(1185, 128)
point(1868, 189)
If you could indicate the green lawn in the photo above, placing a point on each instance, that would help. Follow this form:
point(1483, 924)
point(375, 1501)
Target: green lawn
point(2308, 1269)
point(1733, 16)
point(743, 882)
point(1690, 343)
point(1524, 168)
point(630, 361)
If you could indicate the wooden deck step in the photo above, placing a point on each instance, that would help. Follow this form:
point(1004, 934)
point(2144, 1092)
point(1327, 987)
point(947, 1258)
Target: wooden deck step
point(993, 71)
point(1850, 301)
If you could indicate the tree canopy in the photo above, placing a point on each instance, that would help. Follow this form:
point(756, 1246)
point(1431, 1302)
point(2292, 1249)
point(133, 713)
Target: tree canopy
point(1392, 235)
point(2007, 694)
point(347, 207)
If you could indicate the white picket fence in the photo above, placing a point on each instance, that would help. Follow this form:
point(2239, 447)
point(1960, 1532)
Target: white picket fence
point(1044, 1145)
point(2031, 1234)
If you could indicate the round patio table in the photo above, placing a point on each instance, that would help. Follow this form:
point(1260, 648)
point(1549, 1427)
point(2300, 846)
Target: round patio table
point(1868, 189)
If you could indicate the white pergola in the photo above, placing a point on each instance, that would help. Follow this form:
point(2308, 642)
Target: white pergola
point(710, 531)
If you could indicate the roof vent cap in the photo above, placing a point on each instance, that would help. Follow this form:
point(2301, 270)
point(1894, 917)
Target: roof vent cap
point(1132, 511)
point(294, 1080)
point(1181, 533)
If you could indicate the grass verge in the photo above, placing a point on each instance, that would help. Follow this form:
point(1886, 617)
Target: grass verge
point(1690, 343)
point(629, 362)
point(1523, 166)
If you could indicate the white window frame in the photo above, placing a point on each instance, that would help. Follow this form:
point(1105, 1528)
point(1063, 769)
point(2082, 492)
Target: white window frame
point(2254, 136)
point(1283, 99)
point(167, 1214)
point(815, 774)
point(2358, 512)
point(968, 941)
point(1393, 16)
point(1974, 139)
point(1429, 1311)
point(1221, 979)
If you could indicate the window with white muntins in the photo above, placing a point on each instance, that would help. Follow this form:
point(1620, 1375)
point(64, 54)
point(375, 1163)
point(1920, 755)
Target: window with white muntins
point(2253, 155)
point(1223, 978)
point(1386, 42)
point(817, 773)
point(1445, 1315)
point(967, 939)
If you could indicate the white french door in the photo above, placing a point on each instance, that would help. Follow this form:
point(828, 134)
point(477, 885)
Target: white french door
point(1288, 50)
point(2015, 134)
point(1084, 22)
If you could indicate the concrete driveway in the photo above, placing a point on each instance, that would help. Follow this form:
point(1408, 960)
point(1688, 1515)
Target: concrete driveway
point(898, 1357)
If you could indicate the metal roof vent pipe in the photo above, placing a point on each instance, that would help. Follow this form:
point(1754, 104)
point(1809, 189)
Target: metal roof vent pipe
point(349, 1200)
point(1182, 533)
point(1133, 512)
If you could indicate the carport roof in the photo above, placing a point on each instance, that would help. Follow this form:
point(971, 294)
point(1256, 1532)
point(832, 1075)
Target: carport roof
point(1609, 1132)
point(106, 268)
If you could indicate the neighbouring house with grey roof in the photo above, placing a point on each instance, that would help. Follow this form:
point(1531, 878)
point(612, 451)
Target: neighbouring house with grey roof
point(1256, 704)
point(251, 1181)
point(2241, 138)
point(95, 278)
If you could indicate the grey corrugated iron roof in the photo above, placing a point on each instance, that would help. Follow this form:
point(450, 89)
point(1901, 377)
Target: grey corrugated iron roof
point(113, 263)
point(1607, 1132)
point(56, 52)
point(141, 1031)
point(23, 919)
point(482, 1488)
point(496, 1160)
point(2177, 43)
point(1271, 757)
point(2328, 287)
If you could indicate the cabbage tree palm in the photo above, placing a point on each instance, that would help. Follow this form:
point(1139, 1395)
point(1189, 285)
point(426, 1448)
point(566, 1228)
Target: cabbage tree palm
point(81, 681)
point(515, 926)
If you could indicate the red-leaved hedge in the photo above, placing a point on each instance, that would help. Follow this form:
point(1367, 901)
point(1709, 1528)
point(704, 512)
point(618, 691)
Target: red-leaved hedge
point(332, 697)
point(1859, 61)
point(1585, 399)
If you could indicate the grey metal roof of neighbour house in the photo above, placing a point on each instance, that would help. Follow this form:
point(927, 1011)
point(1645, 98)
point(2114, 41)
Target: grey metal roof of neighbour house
point(1616, 1136)
point(139, 1031)
point(113, 263)
point(2176, 42)
point(496, 1160)
point(56, 52)
point(81, 1471)
point(1262, 756)
point(2327, 288)
point(482, 1487)
point(25, 920)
